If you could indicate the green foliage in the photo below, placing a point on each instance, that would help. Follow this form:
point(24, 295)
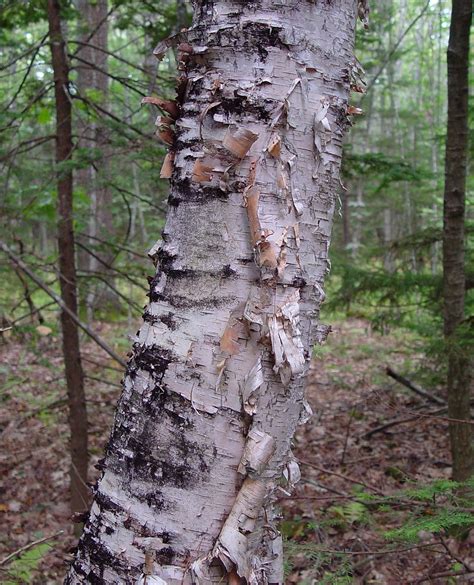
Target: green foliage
point(347, 514)
point(443, 520)
point(21, 570)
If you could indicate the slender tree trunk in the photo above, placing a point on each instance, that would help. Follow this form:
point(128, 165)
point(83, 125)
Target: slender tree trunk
point(459, 366)
point(67, 268)
point(93, 83)
point(200, 449)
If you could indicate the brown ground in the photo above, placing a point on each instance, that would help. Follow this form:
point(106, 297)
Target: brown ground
point(349, 394)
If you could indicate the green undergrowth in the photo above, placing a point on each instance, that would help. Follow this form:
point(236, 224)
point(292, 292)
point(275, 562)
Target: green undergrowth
point(418, 513)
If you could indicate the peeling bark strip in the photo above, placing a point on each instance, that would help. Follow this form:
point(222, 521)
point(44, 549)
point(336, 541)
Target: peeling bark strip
point(214, 389)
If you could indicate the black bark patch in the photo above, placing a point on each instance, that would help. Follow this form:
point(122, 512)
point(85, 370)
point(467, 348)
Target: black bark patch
point(150, 318)
point(93, 579)
point(181, 302)
point(153, 359)
point(154, 500)
point(260, 36)
point(169, 320)
point(106, 504)
point(240, 106)
point(299, 282)
point(141, 529)
point(228, 272)
point(165, 556)
point(178, 462)
point(100, 555)
point(184, 190)
point(165, 260)
point(153, 294)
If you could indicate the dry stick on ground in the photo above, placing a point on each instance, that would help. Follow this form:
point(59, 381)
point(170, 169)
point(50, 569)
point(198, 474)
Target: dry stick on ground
point(414, 387)
point(468, 568)
point(415, 417)
point(342, 476)
point(28, 546)
point(61, 304)
point(441, 575)
point(377, 553)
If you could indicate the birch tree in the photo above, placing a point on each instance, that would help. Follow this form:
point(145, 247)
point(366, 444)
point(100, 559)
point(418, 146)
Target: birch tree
point(201, 445)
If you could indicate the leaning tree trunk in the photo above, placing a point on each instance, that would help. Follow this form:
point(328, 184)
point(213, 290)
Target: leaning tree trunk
point(214, 388)
point(459, 366)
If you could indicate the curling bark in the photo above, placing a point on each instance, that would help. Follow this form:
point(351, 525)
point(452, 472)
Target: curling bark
point(201, 445)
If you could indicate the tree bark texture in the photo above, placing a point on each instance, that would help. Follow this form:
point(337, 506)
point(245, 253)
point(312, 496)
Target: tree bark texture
point(67, 267)
point(93, 84)
point(459, 366)
point(201, 445)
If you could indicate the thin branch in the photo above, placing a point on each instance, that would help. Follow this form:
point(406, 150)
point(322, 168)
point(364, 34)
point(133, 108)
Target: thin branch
point(34, 142)
point(415, 417)
point(340, 475)
point(28, 546)
point(91, 274)
point(442, 575)
point(113, 55)
point(414, 387)
point(100, 110)
point(109, 266)
point(28, 69)
point(24, 54)
point(113, 245)
point(121, 80)
point(394, 49)
point(102, 381)
point(60, 302)
point(101, 365)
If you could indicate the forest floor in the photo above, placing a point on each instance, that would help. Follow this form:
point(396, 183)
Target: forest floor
point(334, 524)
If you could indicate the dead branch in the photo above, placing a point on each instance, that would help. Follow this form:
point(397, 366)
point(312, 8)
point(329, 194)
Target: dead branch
point(28, 546)
point(340, 475)
point(100, 342)
point(414, 387)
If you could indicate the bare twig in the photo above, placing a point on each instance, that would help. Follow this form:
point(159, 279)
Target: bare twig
point(414, 387)
point(414, 417)
point(28, 69)
point(442, 575)
point(60, 302)
point(340, 475)
point(28, 546)
point(395, 47)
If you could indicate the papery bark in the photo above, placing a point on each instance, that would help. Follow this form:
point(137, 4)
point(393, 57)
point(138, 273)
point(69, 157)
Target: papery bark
point(201, 445)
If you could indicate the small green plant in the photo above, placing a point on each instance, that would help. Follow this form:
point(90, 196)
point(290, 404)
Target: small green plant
point(21, 569)
point(348, 514)
point(438, 521)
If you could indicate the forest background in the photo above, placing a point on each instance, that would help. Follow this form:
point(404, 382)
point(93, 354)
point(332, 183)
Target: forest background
point(384, 292)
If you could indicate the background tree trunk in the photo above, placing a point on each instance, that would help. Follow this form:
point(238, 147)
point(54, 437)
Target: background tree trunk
point(93, 84)
point(67, 267)
point(459, 366)
point(214, 389)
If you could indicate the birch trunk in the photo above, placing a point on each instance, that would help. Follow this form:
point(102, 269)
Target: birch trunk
point(201, 445)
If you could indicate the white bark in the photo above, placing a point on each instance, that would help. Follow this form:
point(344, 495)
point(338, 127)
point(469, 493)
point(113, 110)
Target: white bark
point(214, 389)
